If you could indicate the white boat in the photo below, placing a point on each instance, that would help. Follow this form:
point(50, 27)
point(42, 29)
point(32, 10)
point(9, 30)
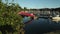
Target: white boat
point(57, 18)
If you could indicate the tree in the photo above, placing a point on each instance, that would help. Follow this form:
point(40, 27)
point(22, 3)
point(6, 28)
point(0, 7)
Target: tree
point(0, 1)
point(25, 9)
point(10, 21)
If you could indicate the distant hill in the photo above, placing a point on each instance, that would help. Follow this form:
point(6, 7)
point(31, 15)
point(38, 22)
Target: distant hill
point(48, 9)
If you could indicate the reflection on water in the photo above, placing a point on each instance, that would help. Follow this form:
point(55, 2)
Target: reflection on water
point(26, 19)
point(40, 26)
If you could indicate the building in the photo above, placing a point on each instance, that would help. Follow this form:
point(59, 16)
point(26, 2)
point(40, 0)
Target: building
point(46, 11)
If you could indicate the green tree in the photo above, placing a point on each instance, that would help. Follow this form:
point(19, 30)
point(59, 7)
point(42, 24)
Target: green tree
point(9, 16)
point(25, 9)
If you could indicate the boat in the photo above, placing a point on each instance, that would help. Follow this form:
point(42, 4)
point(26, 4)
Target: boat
point(23, 13)
point(56, 19)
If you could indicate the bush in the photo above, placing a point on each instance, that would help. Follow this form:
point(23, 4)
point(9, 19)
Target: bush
point(10, 21)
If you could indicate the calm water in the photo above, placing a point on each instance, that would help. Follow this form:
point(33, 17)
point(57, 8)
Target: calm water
point(40, 26)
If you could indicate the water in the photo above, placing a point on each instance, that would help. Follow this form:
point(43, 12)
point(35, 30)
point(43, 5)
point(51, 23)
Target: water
point(40, 26)
point(26, 19)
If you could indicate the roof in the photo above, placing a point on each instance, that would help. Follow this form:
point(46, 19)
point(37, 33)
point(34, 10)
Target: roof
point(26, 14)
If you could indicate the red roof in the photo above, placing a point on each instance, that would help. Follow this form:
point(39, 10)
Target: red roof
point(26, 14)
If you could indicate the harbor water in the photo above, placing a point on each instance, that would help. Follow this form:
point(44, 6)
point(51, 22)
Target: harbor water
point(40, 26)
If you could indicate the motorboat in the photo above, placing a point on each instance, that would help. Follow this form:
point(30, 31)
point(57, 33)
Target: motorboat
point(56, 19)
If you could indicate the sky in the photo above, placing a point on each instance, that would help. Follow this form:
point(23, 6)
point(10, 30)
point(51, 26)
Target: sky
point(38, 3)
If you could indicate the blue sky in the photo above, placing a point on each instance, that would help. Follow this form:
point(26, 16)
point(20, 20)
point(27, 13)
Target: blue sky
point(38, 3)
